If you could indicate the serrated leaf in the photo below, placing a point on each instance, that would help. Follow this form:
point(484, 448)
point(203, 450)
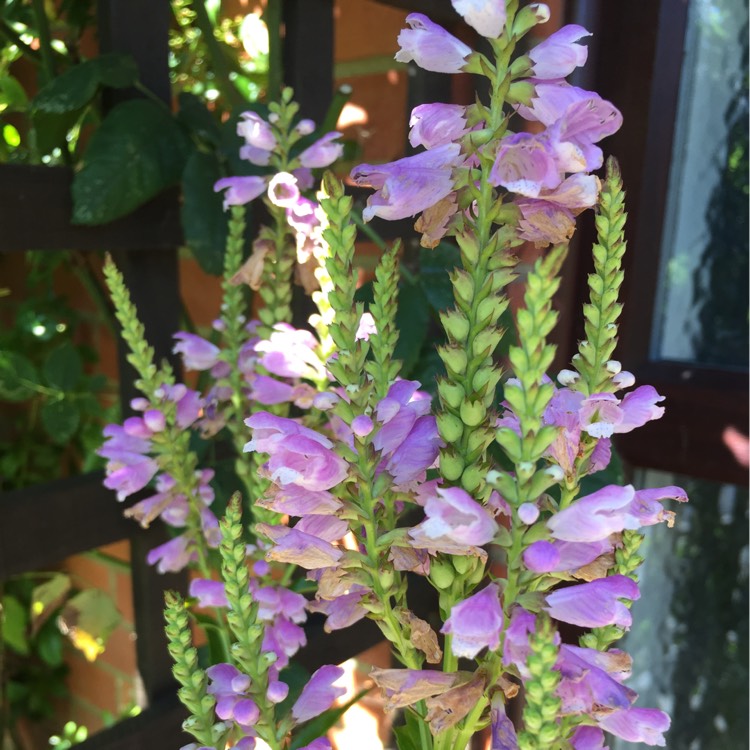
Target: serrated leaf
point(412, 319)
point(138, 151)
point(60, 419)
point(203, 219)
point(15, 622)
point(17, 377)
point(63, 367)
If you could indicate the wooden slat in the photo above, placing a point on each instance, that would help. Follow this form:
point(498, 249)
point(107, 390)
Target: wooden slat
point(158, 726)
point(44, 194)
point(42, 525)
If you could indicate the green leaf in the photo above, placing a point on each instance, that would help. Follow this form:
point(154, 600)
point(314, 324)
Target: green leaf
point(77, 86)
point(63, 367)
point(318, 726)
point(216, 645)
point(138, 151)
point(49, 645)
point(46, 598)
point(194, 114)
point(434, 267)
point(203, 219)
point(60, 419)
point(88, 619)
point(412, 319)
point(15, 622)
point(17, 377)
point(12, 95)
point(408, 735)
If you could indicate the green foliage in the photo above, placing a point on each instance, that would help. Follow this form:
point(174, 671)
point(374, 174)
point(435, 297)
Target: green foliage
point(138, 151)
point(72, 734)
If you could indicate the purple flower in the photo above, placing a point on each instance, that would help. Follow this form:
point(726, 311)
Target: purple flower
point(475, 623)
point(122, 447)
point(128, 479)
point(485, 16)
point(319, 693)
point(283, 638)
point(610, 510)
point(323, 152)
point(268, 391)
point(595, 604)
point(431, 46)
point(341, 611)
point(256, 131)
point(229, 686)
point(638, 407)
point(516, 648)
point(197, 353)
point(455, 521)
point(209, 593)
point(320, 743)
point(558, 557)
point(277, 691)
point(298, 455)
point(409, 185)
point(366, 327)
point(585, 687)
point(559, 55)
point(283, 190)
point(172, 556)
point(240, 190)
point(525, 164)
point(637, 725)
point(543, 222)
point(290, 353)
point(277, 601)
point(502, 732)
point(362, 425)
point(435, 125)
point(294, 500)
point(293, 546)
point(588, 738)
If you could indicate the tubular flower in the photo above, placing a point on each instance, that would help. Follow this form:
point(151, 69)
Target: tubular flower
point(409, 185)
point(431, 47)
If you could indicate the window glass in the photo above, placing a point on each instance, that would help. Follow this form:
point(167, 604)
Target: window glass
point(702, 312)
point(689, 639)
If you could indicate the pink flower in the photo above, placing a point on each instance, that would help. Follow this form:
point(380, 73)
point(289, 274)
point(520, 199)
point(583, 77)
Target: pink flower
point(197, 353)
point(588, 738)
point(172, 556)
point(557, 557)
point(209, 593)
point(638, 725)
point(454, 522)
point(559, 55)
point(409, 185)
point(475, 623)
point(240, 190)
point(256, 131)
point(293, 546)
point(595, 604)
point(485, 16)
point(525, 164)
point(283, 190)
point(435, 125)
point(431, 46)
point(610, 510)
point(323, 152)
point(319, 693)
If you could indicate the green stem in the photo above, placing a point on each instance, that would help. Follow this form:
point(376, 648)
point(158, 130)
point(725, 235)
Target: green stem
point(45, 39)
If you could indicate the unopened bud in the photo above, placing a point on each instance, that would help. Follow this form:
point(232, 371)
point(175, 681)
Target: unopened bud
point(442, 574)
point(529, 17)
point(472, 413)
point(567, 377)
point(613, 366)
point(450, 427)
point(451, 466)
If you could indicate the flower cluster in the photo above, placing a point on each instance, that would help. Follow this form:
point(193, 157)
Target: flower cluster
point(355, 480)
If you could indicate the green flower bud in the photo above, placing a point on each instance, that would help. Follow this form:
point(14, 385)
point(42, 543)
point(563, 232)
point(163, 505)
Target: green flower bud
point(451, 466)
point(455, 359)
point(528, 17)
point(550, 681)
point(472, 479)
point(462, 564)
point(548, 734)
point(550, 707)
point(456, 324)
point(442, 574)
point(207, 704)
point(469, 246)
point(535, 691)
point(451, 393)
point(533, 719)
point(450, 427)
point(386, 578)
point(463, 286)
point(521, 92)
point(472, 413)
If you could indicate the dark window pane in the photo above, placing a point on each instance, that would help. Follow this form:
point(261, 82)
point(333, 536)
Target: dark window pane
point(702, 311)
